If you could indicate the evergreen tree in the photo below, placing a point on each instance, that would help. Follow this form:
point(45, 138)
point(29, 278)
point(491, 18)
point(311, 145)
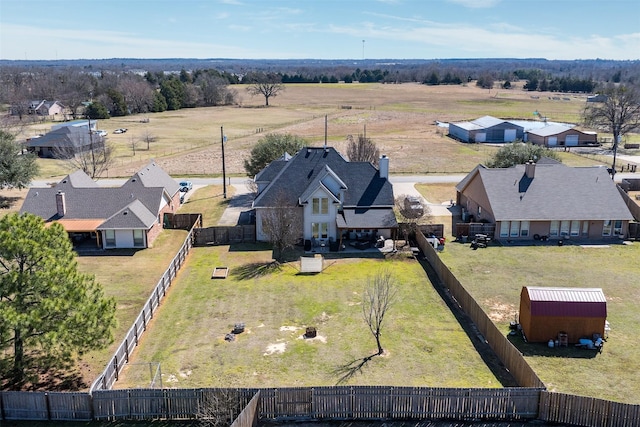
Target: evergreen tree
point(16, 170)
point(118, 104)
point(97, 110)
point(270, 148)
point(519, 153)
point(49, 312)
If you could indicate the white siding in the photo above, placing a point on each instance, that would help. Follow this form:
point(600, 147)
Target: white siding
point(329, 217)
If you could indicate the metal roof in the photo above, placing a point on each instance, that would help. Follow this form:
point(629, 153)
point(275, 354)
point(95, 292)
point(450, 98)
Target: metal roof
point(567, 302)
point(566, 294)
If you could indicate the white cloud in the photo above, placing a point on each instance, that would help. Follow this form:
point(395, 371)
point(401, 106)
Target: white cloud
point(476, 4)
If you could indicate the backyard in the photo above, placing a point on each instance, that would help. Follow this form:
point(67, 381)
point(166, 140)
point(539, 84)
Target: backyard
point(495, 276)
point(423, 342)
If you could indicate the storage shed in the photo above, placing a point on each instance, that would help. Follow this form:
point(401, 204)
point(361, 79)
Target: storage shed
point(546, 312)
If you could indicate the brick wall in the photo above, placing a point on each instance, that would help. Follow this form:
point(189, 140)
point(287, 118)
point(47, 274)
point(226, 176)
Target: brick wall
point(172, 207)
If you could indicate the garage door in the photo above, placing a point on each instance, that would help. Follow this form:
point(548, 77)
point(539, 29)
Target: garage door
point(509, 135)
point(481, 137)
point(571, 140)
point(553, 140)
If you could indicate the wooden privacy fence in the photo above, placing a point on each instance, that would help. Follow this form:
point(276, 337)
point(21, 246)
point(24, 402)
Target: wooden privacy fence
point(324, 404)
point(280, 404)
point(586, 411)
point(250, 414)
point(121, 357)
point(631, 204)
point(506, 352)
point(472, 228)
point(224, 235)
point(182, 221)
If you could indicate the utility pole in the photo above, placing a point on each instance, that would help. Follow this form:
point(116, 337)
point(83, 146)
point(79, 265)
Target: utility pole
point(224, 174)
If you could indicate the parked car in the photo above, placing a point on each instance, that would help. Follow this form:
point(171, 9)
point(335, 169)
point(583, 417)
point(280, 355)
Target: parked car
point(120, 130)
point(185, 186)
point(100, 132)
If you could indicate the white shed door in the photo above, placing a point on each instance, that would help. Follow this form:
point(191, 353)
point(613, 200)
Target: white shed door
point(481, 137)
point(571, 140)
point(509, 135)
point(553, 140)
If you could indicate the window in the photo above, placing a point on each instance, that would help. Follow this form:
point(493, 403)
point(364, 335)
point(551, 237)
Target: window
point(564, 228)
point(320, 205)
point(138, 238)
point(617, 227)
point(553, 228)
point(110, 238)
point(585, 228)
point(479, 211)
point(575, 228)
point(524, 228)
point(320, 230)
point(515, 229)
point(606, 228)
point(504, 229)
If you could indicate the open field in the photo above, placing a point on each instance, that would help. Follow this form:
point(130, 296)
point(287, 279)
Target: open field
point(400, 119)
point(424, 343)
point(495, 276)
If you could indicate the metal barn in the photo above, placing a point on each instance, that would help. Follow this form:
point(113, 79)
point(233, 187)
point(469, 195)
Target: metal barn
point(547, 312)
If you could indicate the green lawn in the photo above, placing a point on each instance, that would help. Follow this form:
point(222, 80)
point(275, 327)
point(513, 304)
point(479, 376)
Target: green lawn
point(496, 275)
point(129, 276)
point(425, 345)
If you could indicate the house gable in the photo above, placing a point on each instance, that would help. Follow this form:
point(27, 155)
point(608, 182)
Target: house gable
point(323, 172)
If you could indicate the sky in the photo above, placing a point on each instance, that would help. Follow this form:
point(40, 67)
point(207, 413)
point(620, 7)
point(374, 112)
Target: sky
point(320, 29)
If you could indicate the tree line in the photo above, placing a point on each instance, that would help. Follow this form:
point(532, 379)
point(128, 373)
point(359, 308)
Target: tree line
point(119, 91)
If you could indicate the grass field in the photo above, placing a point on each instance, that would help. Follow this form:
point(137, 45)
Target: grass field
point(400, 119)
point(424, 343)
point(496, 275)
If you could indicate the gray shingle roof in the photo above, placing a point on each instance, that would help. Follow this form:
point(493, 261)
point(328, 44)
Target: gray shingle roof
point(84, 199)
point(134, 215)
point(65, 137)
point(365, 186)
point(556, 192)
point(367, 218)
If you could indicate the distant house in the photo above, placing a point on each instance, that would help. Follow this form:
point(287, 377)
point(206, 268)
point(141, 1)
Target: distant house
point(486, 129)
point(45, 108)
point(561, 136)
point(63, 142)
point(547, 199)
point(337, 199)
point(130, 216)
point(546, 313)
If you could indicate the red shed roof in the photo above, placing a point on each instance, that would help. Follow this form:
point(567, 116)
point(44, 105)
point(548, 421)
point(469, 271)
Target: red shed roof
point(567, 302)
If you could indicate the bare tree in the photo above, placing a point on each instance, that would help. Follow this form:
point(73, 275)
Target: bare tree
point(268, 85)
point(148, 138)
point(93, 158)
point(411, 212)
point(252, 186)
point(282, 224)
point(138, 94)
point(362, 149)
point(618, 114)
point(218, 407)
point(378, 297)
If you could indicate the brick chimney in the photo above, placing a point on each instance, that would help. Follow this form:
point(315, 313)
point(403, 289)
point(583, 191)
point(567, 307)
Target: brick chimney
point(61, 205)
point(530, 169)
point(383, 166)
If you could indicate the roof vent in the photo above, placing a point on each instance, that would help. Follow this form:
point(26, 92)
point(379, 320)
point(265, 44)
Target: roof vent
point(125, 212)
point(132, 195)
